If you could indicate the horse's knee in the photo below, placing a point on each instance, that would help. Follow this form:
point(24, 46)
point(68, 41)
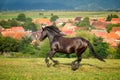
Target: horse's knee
point(46, 60)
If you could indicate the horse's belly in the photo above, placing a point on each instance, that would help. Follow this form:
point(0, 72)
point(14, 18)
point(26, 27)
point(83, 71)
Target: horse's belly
point(68, 49)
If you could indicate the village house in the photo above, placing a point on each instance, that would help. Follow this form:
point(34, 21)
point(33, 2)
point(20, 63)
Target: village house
point(60, 22)
point(15, 32)
point(43, 21)
point(115, 20)
point(99, 25)
point(100, 33)
point(78, 19)
point(102, 19)
point(69, 29)
point(112, 38)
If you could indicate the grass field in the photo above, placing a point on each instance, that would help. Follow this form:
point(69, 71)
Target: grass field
point(61, 14)
point(35, 69)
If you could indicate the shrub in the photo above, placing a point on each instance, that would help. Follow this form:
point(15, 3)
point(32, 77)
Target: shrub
point(26, 47)
point(8, 44)
point(101, 47)
point(118, 52)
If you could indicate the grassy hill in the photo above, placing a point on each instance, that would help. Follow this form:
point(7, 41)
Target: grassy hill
point(61, 14)
point(35, 69)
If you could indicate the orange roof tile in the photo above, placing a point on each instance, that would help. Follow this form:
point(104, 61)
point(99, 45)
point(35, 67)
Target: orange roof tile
point(43, 21)
point(99, 24)
point(17, 29)
point(115, 20)
point(101, 19)
point(113, 35)
point(114, 29)
point(100, 33)
point(19, 35)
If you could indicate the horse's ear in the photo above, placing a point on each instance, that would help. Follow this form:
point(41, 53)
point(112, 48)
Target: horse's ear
point(41, 29)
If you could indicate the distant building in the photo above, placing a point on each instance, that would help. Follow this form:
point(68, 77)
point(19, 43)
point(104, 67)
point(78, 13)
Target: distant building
point(115, 20)
point(42, 21)
point(99, 25)
point(15, 32)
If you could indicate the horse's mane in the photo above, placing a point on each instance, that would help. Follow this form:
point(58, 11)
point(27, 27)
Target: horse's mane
point(54, 30)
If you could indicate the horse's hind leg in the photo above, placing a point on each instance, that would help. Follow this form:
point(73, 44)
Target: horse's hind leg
point(76, 63)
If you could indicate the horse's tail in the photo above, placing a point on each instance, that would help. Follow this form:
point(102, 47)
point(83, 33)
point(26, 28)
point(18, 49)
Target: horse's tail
point(92, 51)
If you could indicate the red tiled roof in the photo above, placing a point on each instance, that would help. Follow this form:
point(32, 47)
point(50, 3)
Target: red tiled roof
point(19, 35)
point(99, 24)
point(68, 32)
point(16, 35)
point(114, 29)
point(18, 29)
point(113, 35)
point(43, 21)
point(102, 19)
point(99, 33)
point(115, 20)
point(14, 32)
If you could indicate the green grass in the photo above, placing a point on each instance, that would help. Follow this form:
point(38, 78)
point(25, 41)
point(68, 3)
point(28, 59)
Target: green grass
point(35, 69)
point(61, 14)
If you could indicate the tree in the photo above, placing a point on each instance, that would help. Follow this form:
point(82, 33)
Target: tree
point(54, 18)
point(109, 17)
point(25, 46)
point(100, 47)
point(118, 52)
point(13, 22)
point(84, 23)
point(21, 17)
point(29, 26)
point(5, 24)
point(109, 27)
point(8, 44)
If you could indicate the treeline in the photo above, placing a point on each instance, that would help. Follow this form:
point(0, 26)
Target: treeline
point(20, 20)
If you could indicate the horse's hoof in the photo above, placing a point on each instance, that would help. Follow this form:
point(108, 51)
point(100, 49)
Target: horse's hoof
point(75, 67)
point(48, 64)
point(56, 62)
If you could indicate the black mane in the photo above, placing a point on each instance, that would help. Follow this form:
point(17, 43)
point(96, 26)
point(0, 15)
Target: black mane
point(54, 30)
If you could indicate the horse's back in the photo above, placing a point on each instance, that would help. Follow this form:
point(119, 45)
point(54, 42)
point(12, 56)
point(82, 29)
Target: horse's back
point(69, 45)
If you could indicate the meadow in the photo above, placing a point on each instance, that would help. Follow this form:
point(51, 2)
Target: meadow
point(35, 69)
point(61, 14)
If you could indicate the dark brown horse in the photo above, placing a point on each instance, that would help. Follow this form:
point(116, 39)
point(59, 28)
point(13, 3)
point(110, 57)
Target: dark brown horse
point(58, 43)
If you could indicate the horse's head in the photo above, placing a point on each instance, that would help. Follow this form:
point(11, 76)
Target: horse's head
point(50, 31)
point(43, 34)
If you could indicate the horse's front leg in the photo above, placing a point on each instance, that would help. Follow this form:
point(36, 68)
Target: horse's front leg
point(47, 60)
point(52, 53)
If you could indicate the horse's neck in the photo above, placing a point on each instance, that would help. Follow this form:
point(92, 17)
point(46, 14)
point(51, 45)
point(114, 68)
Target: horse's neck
point(51, 37)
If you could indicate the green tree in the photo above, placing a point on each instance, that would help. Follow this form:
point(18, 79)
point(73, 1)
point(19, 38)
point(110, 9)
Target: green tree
point(110, 26)
point(100, 47)
point(5, 24)
point(25, 46)
point(84, 23)
point(54, 18)
point(29, 26)
point(8, 44)
point(13, 22)
point(21, 17)
point(109, 17)
point(118, 52)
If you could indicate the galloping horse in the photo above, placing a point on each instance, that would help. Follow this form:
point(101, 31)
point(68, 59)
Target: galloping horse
point(59, 43)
